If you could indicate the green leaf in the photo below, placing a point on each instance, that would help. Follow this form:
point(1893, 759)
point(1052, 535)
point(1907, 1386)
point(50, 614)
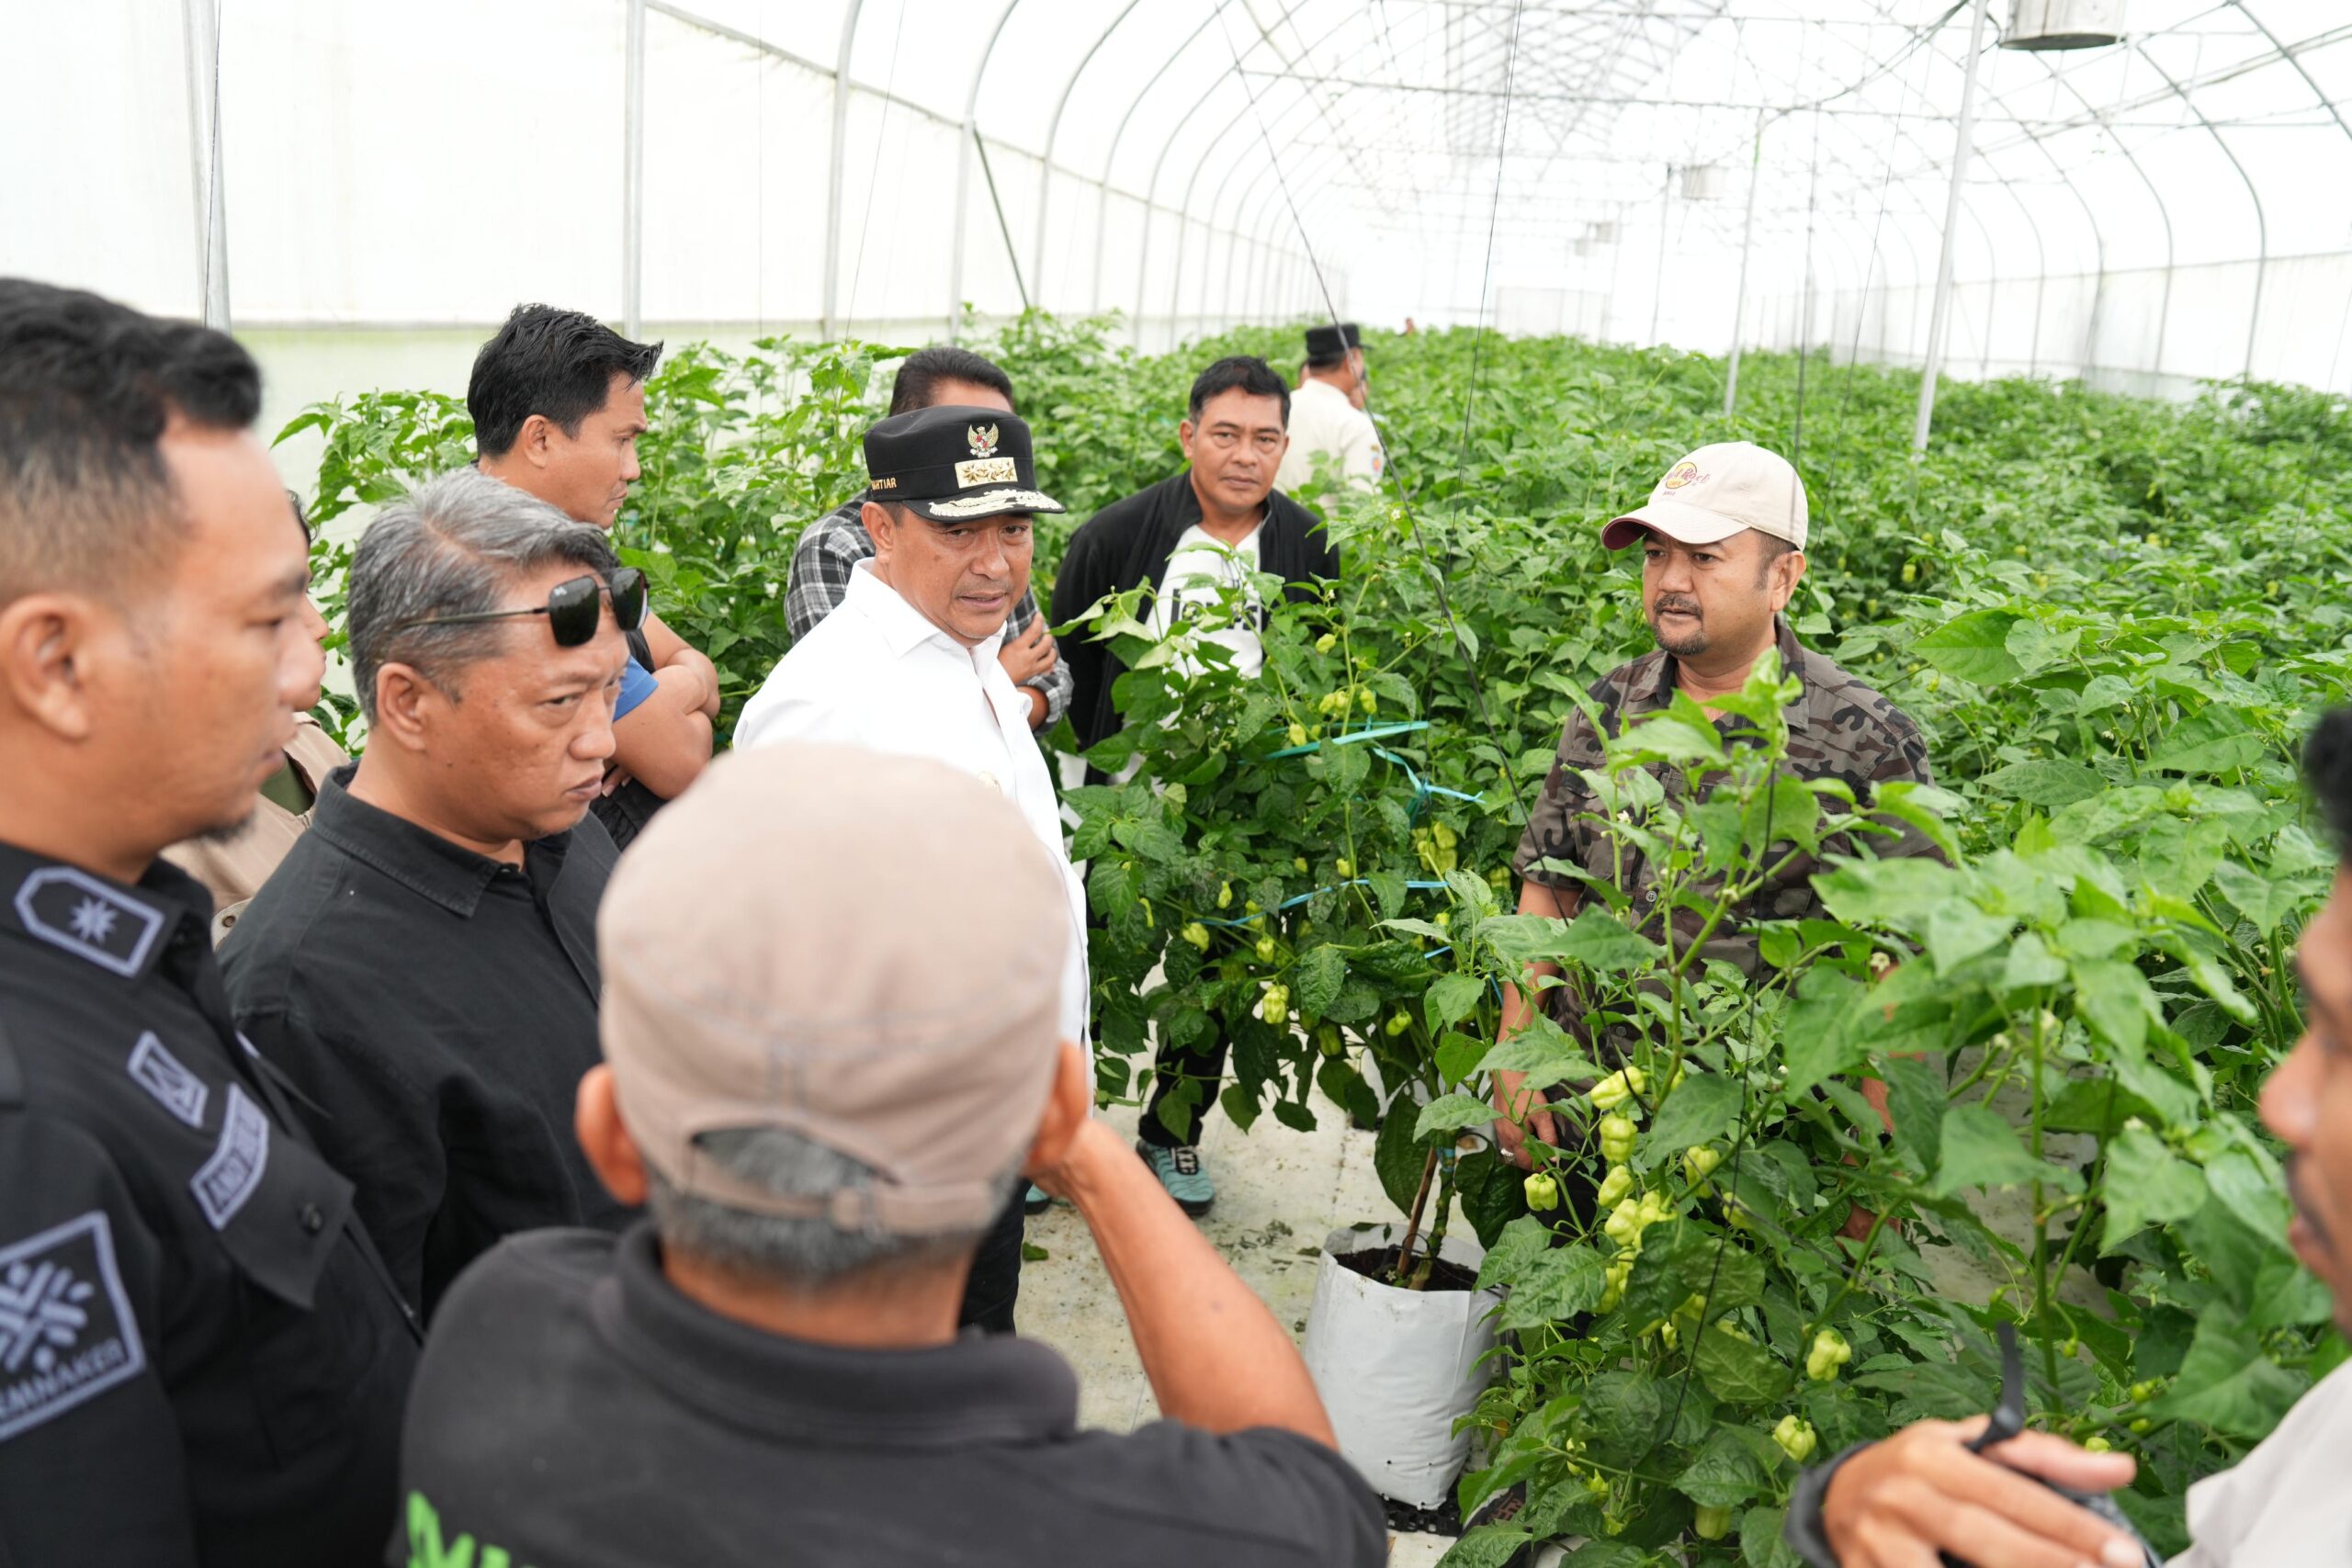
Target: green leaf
point(2227, 1382)
point(2030, 964)
point(1959, 931)
point(1973, 647)
point(2213, 740)
point(2114, 997)
point(1541, 1050)
point(2146, 1184)
point(1725, 1471)
point(1762, 1542)
point(1316, 978)
point(2046, 782)
point(1622, 1409)
point(1451, 1114)
point(1523, 1241)
point(1903, 894)
point(1397, 1158)
point(1703, 1109)
point(1595, 939)
point(1980, 1149)
point(1485, 1546)
point(2263, 900)
point(1818, 1040)
point(1739, 1372)
point(1458, 1055)
point(1451, 997)
point(1557, 1284)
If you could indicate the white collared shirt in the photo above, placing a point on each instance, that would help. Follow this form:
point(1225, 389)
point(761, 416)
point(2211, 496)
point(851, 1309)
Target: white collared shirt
point(1322, 419)
point(877, 673)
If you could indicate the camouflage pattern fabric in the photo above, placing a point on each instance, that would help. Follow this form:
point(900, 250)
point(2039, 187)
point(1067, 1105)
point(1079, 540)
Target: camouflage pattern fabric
point(1838, 728)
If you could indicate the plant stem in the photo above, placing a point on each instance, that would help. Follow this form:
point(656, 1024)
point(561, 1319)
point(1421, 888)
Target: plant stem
point(1413, 1220)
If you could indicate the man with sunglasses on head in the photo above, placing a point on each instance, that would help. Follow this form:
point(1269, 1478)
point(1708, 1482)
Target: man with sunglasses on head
point(558, 400)
point(425, 961)
point(202, 1359)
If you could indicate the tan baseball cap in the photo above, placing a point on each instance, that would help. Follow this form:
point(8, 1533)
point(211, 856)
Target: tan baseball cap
point(1715, 493)
point(863, 950)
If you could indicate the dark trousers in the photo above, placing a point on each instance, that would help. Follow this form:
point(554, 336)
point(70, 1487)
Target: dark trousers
point(1203, 1065)
point(994, 1283)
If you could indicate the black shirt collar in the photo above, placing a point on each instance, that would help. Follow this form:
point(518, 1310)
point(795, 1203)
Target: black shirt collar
point(418, 858)
point(982, 1389)
point(122, 929)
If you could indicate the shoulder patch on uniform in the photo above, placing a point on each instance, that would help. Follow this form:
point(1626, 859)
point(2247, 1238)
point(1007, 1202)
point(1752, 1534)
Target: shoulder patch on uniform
point(229, 1177)
point(67, 1332)
point(157, 1071)
point(74, 910)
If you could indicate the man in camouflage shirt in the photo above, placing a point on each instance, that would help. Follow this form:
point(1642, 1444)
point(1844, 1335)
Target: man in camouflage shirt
point(1723, 540)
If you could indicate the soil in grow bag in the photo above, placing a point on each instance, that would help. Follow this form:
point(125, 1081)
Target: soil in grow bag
point(1380, 1263)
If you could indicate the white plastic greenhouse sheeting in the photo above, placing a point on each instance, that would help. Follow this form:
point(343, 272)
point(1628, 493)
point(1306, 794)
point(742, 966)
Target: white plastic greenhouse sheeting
point(870, 164)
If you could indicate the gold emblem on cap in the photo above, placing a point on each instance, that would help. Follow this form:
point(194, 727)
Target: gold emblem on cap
point(983, 439)
point(985, 471)
point(889, 483)
point(1686, 472)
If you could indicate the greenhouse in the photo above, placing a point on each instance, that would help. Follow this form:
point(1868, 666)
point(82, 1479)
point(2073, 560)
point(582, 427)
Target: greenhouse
point(1667, 719)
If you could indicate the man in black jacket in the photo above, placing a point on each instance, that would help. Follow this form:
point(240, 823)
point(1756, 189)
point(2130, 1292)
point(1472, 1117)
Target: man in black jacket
point(1191, 537)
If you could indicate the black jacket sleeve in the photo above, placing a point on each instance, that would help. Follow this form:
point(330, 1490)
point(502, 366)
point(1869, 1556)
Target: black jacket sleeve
point(90, 1461)
point(1084, 577)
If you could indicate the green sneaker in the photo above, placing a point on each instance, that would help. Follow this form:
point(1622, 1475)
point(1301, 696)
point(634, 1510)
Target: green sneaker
point(1180, 1170)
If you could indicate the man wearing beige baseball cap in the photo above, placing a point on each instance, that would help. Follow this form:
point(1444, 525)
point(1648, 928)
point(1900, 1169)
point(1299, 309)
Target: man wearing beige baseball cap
point(1723, 539)
point(825, 1099)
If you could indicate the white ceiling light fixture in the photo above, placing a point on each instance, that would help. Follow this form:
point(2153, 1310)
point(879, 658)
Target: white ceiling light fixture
point(2064, 24)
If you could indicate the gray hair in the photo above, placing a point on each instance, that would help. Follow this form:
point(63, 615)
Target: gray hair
point(450, 547)
point(806, 1252)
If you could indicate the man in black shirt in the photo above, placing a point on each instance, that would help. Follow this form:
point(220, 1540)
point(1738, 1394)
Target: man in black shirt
point(1192, 536)
point(827, 1092)
point(424, 963)
point(202, 1360)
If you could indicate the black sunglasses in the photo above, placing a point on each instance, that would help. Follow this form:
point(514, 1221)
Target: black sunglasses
point(573, 608)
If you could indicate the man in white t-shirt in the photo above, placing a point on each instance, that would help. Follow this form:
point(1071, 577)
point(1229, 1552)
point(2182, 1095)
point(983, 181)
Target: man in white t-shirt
point(907, 664)
point(1327, 417)
point(1218, 521)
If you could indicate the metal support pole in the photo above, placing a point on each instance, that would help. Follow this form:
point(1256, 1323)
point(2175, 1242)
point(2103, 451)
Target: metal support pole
point(200, 22)
point(1941, 307)
point(1746, 245)
point(1658, 295)
point(833, 321)
point(633, 174)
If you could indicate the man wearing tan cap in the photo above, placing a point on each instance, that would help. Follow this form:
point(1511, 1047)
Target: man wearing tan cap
point(1723, 541)
point(825, 1097)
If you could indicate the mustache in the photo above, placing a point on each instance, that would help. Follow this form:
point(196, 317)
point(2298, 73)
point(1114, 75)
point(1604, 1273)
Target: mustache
point(2294, 1168)
point(1674, 602)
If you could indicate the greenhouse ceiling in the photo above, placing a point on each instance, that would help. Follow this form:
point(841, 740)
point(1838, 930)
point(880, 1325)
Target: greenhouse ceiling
point(2162, 207)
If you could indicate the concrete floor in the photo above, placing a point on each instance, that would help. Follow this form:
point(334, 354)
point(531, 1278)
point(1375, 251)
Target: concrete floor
point(1279, 1193)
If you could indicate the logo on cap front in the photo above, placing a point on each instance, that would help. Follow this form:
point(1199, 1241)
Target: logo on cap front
point(1685, 472)
point(983, 439)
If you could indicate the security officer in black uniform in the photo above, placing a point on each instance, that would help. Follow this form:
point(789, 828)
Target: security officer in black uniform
point(202, 1360)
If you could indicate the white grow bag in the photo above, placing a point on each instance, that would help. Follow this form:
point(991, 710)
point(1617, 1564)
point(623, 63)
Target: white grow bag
point(1397, 1368)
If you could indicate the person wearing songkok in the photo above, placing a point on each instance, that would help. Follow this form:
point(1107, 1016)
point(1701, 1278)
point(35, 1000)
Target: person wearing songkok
point(825, 1089)
point(1327, 415)
point(909, 664)
point(830, 548)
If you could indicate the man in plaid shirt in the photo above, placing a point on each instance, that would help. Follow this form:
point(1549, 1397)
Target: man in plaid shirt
point(832, 545)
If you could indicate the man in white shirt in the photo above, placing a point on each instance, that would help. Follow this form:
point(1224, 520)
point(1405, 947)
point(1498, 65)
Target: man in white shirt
point(907, 664)
point(1327, 415)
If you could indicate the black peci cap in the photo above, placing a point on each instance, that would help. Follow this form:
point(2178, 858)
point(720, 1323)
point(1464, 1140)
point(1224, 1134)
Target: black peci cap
point(1330, 342)
point(954, 464)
